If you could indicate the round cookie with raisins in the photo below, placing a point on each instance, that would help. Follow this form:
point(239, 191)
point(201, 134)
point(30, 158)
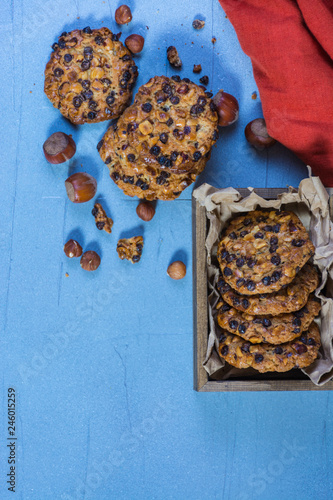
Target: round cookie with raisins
point(298, 353)
point(163, 140)
point(290, 298)
point(268, 328)
point(262, 251)
point(90, 76)
point(148, 182)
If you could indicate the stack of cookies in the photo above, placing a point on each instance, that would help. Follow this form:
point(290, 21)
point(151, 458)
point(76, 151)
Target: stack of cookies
point(267, 284)
point(163, 140)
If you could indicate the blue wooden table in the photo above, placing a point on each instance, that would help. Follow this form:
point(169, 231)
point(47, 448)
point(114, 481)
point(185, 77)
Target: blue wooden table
point(101, 363)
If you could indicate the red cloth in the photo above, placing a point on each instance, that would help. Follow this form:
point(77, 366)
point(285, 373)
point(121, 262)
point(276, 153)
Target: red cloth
point(290, 44)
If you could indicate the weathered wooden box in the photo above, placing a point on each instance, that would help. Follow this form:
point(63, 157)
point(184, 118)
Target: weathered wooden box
point(293, 380)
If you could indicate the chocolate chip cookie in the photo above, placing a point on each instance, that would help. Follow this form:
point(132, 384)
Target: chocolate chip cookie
point(291, 298)
point(163, 141)
point(271, 329)
point(263, 250)
point(299, 353)
point(90, 75)
point(130, 248)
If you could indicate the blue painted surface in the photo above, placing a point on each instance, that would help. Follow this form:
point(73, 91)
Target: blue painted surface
point(102, 362)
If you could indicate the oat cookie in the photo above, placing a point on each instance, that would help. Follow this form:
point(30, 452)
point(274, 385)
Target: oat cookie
point(101, 219)
point(263, 250)
point(290, 298)
point(163, 141)
point(271, 329)
point(299, 353)
point(90, 75)
point(130, 248)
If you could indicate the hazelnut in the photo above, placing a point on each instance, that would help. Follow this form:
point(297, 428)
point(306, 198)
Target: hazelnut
point(145, 211)
point(227, 108)
point(90, 261)
point(81, 187)
point(198, 24)
point(123, 15)
point(72, 249)
point(58, 148)
point(135, 43)
point(256, 134)
point(177, 270)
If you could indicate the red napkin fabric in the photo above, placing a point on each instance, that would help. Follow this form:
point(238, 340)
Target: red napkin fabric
point(290, 44)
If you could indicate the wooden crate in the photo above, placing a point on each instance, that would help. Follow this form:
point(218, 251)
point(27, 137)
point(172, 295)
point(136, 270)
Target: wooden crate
point(293, 380)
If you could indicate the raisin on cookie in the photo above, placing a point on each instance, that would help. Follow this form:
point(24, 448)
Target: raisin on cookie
point(130, 248)
point(163, 140)
point(299, 353)
point(291, 298)
point(90, 76)
point(272, 329)
point(262, 251)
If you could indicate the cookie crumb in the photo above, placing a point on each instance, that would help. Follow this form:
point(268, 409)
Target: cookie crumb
point(101, 220)
point(66, 274)
point(173, 57)
point(197, 68)
point(254, 95)
point(213, 40)
point(130, 248)
point(204, 80)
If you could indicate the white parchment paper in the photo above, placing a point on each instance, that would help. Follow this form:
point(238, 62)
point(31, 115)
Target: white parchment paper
point(310, 203)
